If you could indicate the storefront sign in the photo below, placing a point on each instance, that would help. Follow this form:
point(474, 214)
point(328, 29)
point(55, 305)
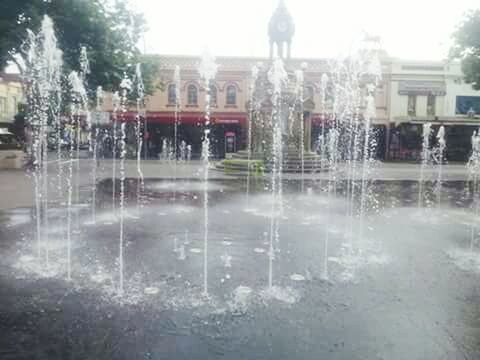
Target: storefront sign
point(422, 88)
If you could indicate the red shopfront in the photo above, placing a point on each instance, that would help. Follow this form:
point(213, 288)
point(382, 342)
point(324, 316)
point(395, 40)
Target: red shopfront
point(161, 125)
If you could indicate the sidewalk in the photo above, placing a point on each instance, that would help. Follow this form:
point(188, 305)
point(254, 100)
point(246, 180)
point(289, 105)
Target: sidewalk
point(16, 186)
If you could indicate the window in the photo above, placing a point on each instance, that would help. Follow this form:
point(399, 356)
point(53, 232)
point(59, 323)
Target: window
point(213, 95)
point(431, 99)
point(412, 105)
point(192, 95)
point(467, 105)
point(14, 105)
point(172, 94)
point(3, 108)
point(231, 95)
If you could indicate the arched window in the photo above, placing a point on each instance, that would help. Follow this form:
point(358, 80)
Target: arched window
point(192, 95)
point(172, 94)
point(213, 95)
point(231, 95)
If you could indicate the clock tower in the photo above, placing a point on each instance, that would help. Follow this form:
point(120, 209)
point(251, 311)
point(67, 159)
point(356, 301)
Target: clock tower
point(281, 30)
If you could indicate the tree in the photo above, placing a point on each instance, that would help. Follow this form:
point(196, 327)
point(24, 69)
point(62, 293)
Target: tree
point(467, 47)
point(108, 29)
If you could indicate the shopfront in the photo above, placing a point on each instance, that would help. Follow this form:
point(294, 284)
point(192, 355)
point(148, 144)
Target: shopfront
point(159, 128)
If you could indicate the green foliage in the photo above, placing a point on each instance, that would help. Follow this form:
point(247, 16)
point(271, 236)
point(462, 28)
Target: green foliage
point(467, 47)
point(108, 29)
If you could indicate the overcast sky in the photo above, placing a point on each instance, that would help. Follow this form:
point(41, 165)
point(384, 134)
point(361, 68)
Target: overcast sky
point(411, 29)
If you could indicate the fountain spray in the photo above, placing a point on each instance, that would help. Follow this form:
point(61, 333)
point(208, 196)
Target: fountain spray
point(178, 83)
point(253, 108)
point(99, 98)
point(41, 71)
point(299, 91)
point(126, 87)
point(116, 106)
point(208, 70)
point(440, 154)
point(426, 155)
point(140, 87)
point(278, 77)
point(473, 167)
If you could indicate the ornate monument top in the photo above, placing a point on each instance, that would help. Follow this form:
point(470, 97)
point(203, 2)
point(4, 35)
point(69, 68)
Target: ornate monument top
point(281, 30)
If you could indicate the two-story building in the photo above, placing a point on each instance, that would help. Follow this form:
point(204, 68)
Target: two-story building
point(410, 94)
point(11, 94)
point(433, 92)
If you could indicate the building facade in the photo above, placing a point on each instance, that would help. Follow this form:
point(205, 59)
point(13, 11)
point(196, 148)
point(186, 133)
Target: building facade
point(410, 94)
point(11, 94)
point(433, 92)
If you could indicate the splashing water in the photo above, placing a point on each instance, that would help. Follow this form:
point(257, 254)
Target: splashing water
point(253, 109)
point(439, 155)
point(426, 155)
point(299, 92)
point(116, 106)
point(473, 167)
point(332, 142)
point(78, 97)
point(41, 70)
point(138, 129)
point(94, 146)
point(126, 86)
point(207, 70)
point(183, 151)
point(278, 77)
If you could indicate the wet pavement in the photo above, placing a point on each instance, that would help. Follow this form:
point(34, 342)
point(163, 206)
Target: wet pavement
point(407, 288)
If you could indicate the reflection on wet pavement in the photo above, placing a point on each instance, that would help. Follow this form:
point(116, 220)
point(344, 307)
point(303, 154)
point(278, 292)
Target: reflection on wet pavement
point(407, 289)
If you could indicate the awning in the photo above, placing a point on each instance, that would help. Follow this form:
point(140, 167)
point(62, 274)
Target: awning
point(184, 118)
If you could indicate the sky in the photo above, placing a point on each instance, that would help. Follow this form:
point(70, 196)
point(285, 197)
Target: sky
point(409, 29)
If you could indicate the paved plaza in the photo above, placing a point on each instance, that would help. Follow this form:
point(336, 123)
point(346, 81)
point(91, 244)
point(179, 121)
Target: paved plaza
point(16, 186)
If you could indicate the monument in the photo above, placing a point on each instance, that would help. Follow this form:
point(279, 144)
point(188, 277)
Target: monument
point(290, 109)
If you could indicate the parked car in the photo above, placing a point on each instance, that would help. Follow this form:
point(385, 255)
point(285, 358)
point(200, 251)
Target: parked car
point(11, 153)
point(8, 140)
